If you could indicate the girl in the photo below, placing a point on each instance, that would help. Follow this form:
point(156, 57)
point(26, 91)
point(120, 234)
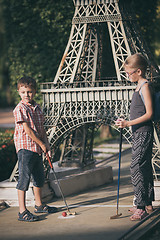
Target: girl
point(142, 137)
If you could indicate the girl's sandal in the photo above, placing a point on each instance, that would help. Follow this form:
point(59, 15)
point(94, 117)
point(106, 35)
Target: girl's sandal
point(27, 216)
point(138, 215)
point(149, 209)
point(45, 209)
point(132, 210)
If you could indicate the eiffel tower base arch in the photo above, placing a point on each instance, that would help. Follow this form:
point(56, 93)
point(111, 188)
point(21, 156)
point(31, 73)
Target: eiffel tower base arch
point(79, 99)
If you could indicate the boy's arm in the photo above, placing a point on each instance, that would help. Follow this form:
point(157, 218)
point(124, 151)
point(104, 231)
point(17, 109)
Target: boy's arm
point(32, 135)
point(45, 140)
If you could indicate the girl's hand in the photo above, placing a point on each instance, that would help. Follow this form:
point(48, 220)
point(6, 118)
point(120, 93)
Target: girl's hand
point(121, 123)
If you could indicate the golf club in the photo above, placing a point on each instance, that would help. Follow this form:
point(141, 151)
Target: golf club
point(58, 183)
point(120, 149)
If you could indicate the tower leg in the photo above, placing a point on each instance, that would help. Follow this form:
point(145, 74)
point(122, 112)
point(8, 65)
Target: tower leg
point(77, 150)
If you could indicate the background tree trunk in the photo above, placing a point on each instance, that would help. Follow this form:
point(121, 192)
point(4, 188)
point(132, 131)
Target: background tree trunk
point(105, 131)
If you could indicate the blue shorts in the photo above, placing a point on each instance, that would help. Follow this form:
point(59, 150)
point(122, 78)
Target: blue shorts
point(30, 164)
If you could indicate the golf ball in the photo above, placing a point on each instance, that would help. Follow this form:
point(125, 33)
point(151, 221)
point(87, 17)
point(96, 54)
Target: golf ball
point(64, 214)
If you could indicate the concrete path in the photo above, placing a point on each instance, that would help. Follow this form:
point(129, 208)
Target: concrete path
point(94, 209)
point(6, 118)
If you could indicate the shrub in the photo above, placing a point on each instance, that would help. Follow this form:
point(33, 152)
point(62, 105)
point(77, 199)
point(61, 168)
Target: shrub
point(8, 155)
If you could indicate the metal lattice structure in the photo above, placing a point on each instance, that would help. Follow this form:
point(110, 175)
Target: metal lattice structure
point(79, 100)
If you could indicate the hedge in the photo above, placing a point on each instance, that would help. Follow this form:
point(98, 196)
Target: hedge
point(8, 157)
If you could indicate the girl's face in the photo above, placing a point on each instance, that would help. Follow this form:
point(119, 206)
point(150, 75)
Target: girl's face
point(26, 93)
point(133, 73)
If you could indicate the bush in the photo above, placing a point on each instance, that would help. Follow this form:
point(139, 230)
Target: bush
point(36, 34)
point(8, 155)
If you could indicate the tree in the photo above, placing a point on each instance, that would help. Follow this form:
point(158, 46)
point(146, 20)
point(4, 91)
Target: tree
point(146, 17)
point(157, 33)
point(4, 78)
point(36, 34)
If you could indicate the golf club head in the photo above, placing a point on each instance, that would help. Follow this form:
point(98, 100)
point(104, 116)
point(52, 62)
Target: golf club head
point(69, 213)
point(116, 216)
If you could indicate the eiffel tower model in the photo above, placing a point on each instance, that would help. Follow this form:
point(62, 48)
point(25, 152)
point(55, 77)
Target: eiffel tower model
point(91, 87)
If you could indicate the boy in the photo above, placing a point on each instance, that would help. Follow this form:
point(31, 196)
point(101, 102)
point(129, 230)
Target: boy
point(30, 141)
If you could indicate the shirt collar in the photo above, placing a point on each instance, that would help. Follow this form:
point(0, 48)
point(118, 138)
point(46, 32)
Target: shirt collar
point(34, 105)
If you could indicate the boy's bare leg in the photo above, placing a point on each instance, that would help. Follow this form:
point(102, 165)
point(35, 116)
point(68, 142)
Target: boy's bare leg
point(37, 194)
point(39, 207)
point(21, 200)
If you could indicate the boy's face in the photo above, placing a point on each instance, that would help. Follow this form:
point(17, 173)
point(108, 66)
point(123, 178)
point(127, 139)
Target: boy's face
point(26, 93)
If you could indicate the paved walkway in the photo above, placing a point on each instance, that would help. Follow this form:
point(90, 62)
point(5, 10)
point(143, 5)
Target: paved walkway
point(6, 118)
point(94, 209)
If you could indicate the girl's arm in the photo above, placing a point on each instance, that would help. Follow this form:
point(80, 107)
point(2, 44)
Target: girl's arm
point(149, 110)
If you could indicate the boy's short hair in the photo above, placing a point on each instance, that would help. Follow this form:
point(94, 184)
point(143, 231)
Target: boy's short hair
point(27, 82)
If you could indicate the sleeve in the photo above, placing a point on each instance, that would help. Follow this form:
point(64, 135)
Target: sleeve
point(20, 115)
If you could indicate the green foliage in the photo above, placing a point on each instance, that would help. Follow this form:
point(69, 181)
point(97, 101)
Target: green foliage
point(146, 13)
point(157, 33)
point(8, 155)
point(146, 17)
point(37, 33)
point(6, 136)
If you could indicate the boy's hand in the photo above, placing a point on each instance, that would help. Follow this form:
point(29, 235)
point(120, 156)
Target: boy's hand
point(43, 147)
point(49, 153)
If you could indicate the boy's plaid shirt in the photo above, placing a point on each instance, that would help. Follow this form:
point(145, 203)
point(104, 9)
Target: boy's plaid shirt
point(33, 115)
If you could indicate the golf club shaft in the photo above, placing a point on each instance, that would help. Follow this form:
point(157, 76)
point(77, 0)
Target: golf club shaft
point(120, 150)
point(48, 158)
